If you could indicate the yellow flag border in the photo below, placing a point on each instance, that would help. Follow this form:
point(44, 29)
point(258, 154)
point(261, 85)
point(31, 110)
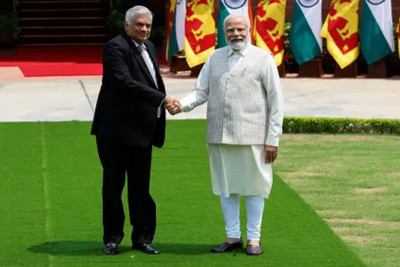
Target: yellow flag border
point(398, 37)
point(261, 44)
point(192, 59)
point(342, 59)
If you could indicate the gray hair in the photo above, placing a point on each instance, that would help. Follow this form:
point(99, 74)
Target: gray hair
point(135, 11)
point(235, 16)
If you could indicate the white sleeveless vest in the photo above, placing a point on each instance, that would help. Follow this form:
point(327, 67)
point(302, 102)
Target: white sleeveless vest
point(237, 111)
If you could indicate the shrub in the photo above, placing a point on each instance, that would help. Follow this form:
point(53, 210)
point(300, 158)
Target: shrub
point(10, 24)
point(115, 21)
point(340, 125)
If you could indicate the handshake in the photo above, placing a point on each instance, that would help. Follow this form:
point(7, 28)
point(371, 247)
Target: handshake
point(172, 105)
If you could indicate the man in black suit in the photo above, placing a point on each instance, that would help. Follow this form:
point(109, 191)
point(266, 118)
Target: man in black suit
point(129, 119)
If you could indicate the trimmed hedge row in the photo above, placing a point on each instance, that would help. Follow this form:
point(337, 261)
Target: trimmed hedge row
point(340, 125)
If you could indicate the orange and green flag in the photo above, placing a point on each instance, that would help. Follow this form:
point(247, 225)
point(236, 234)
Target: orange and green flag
point(376, 31)
point(176, 27)
point(341, 31)
point(171, 11)
point(269, 27)
point(199, 31)
point(232, 7)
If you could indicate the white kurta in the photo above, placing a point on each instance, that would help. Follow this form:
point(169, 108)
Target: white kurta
point(235, 169)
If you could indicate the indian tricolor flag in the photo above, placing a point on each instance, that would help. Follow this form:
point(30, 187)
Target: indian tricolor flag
point(228, 7)
point(376, 35)
point(341, 31)
point(176, 27)
point(199, 31)
point(269, 27)
point(305, 41)
point(171, 11)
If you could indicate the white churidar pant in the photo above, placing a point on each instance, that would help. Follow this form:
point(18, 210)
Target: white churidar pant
point(231, 210)
point(240, 170)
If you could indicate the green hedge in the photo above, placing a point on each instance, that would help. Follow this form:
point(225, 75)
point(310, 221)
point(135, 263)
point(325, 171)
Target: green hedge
point(340, 125)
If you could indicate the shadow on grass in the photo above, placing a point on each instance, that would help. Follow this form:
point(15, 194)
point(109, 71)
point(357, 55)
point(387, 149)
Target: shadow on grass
point(183, 249)
point(68, 248)
point(87, 248)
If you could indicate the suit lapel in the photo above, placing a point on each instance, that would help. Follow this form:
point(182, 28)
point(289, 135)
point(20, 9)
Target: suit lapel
point(156, 67)
point(140, 59)
point(153, 57)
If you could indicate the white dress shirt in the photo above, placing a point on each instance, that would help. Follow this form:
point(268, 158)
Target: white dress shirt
point(150, 66)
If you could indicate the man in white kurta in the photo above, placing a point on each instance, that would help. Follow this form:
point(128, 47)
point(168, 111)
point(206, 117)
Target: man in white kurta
point(244, 122)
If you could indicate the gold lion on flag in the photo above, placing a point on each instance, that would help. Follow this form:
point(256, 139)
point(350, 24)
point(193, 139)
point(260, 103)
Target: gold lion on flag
point(199, 31)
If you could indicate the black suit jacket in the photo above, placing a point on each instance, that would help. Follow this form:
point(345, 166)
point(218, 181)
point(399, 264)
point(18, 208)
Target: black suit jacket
point(126, 110)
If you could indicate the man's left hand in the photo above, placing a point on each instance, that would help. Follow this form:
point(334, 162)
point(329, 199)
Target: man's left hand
point(270, 154)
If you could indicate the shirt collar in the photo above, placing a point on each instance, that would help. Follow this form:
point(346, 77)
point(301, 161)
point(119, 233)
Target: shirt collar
point(241, 52)
point(137, 44)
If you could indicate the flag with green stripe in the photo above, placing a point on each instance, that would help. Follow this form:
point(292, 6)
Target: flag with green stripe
point(228, 7)
point(305, 40)
point(177, 37)
point(376, 35)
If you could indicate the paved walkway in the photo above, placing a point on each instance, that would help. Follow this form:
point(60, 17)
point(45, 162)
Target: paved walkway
point(74, 98)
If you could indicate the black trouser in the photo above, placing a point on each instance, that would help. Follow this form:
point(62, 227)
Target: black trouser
point(117, 160)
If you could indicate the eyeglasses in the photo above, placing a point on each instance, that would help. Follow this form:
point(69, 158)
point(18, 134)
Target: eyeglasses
point(238, 29)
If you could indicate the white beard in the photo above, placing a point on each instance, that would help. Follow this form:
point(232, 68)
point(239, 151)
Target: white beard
point(237, 46)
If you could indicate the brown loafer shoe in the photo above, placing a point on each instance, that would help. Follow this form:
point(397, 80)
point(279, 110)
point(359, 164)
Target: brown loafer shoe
point(224, 247)
point(254, 250)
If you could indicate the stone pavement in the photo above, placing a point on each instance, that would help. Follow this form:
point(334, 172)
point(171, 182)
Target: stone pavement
point(74, 97)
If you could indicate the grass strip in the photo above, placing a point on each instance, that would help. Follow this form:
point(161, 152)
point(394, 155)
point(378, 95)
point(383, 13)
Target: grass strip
point(64, 161)
point(23, 211)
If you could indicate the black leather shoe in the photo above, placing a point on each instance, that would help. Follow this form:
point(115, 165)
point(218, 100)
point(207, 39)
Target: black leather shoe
point(224, 247)
point(146, 248)
point(254, 250)
point(110, 248)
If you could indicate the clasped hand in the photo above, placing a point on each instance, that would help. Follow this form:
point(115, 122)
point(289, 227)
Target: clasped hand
point(172, 105)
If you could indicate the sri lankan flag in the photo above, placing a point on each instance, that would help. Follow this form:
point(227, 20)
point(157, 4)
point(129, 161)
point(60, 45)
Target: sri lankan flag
point(398, 36)
point(341, 31)
point(269, 27)
point(199, 31)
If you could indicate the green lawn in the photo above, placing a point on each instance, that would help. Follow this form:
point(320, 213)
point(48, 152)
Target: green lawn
point(353, 182)
point(51, 206)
